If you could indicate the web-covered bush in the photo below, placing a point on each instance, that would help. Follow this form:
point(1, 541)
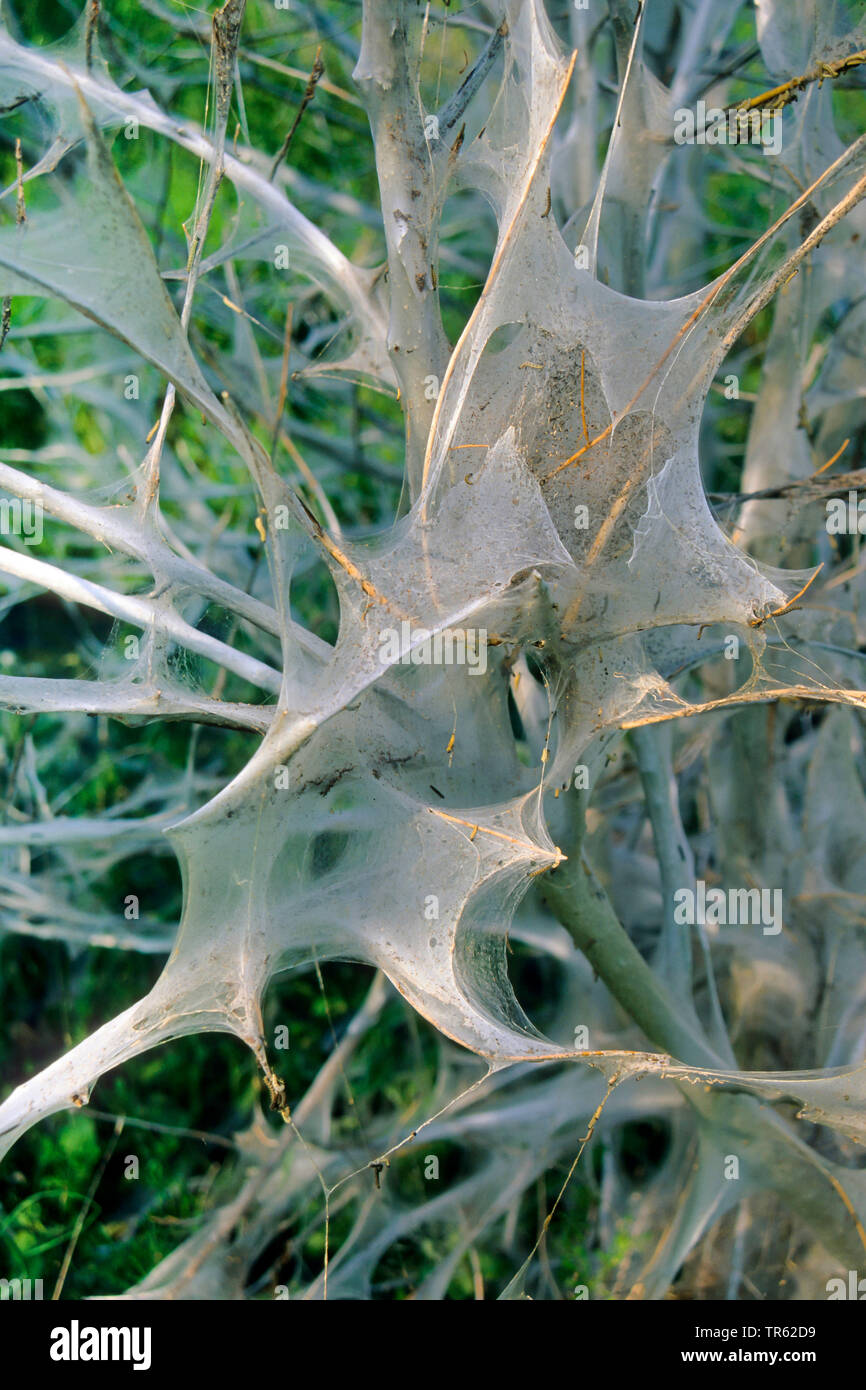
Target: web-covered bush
point(593, 679)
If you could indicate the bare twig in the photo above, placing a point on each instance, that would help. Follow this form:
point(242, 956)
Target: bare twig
point(309, 92)
point(788, 91)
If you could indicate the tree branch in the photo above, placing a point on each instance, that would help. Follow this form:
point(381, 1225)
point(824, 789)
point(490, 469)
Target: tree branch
point(127, 700)
point(410, 195)
point(117, 529)
point(140, 612)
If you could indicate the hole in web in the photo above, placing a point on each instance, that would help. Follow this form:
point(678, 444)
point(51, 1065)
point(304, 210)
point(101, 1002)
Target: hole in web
point(467, 240)
point(314, 600)
point(326, 851)
point(502, 337)
point(642, 1147)
point(539, 983)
